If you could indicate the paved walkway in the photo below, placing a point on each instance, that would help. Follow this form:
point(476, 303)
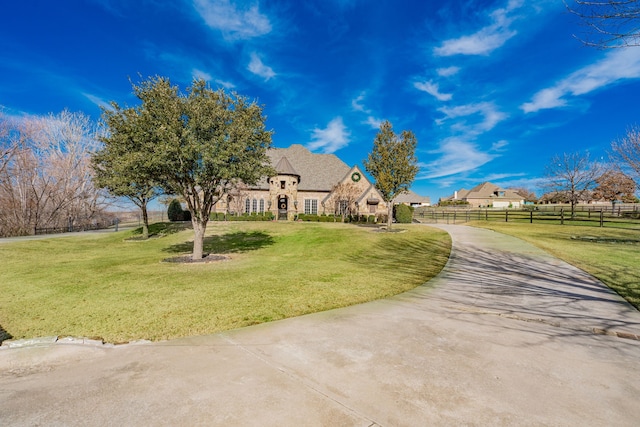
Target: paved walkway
point(505, 335)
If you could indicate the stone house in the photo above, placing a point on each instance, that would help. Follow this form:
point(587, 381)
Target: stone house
point(488, 195)
point(306, 183)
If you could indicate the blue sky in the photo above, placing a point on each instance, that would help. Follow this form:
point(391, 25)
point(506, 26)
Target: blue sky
point(491, 89)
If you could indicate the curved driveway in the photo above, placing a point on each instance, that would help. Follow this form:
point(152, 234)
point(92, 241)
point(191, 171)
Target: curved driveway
point(505, 335)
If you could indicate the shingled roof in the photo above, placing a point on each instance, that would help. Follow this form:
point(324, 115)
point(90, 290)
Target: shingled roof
point(318, 172)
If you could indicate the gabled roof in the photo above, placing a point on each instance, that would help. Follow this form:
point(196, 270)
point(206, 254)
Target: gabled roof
point(412, 198)
point(317, 172)
point(487, 190)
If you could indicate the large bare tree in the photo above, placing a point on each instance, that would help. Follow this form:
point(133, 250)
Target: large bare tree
point(626, 152)
point(609, 24)
point(574, 175)
point(46, 180)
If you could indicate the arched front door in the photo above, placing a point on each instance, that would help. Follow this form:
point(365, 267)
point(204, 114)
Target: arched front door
point(283, 207)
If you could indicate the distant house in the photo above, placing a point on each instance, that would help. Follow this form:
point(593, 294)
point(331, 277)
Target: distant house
point(412, 199)
point(305, 183)
point(487, 195)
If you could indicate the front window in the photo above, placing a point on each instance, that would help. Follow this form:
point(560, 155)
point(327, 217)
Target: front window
point(311, 206)
point(255, 205)
point(247, 206)
point(261, 205)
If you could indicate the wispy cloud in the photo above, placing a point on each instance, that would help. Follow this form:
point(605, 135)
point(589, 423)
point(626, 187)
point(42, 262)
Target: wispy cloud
point(257, 67)
point(456, 156)
point(615, 66)
point(487, 39)
point(373, 122)
point(98, 101)
point(491, 116)
point(357, 103)
point(225, 84)
point(448, 71)
point(330, 139)
point(201, 75)
point(236, 20)
point(433, 89)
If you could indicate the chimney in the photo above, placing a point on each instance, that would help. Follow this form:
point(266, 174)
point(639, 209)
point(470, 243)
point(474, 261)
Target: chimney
point(455, 195)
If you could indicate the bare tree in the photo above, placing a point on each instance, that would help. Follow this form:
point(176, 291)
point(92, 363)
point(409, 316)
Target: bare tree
point(610, 24)
point(626, 151)
point(527, 194)
point(343, 199)
point(615, 186)
point(46, 181)
point(573, 175)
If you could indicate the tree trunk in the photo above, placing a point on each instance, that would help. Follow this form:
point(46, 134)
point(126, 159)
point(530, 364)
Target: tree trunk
point(199, 228)
point(389, 214)
point(145, 221)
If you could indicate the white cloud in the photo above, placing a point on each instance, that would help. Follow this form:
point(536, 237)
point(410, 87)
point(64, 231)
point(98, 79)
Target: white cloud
point(225, 84)
point(98, 101)
point(448, 71)
point(433, 89)
point(615, 66)
point(357, 105)
point(257, 67)
point(201, 75)
point(236, 20)
point(487, 39)
point(330, 139)
point(490, 115)
point(373, 122)
point(457, 156)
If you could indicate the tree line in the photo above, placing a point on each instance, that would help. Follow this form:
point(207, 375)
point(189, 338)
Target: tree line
point(46, 175)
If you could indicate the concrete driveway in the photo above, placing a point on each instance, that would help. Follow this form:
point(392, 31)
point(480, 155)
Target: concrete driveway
point(505, 335)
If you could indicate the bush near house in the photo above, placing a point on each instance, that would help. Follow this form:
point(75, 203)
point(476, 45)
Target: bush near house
point(221, 216)
point(174, 211)
point(403, 214)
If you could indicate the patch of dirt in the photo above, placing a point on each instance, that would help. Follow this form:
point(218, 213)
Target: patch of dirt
point(187, 259)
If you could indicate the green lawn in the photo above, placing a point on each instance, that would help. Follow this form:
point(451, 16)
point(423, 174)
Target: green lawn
point(108, 286)
point(610, 254)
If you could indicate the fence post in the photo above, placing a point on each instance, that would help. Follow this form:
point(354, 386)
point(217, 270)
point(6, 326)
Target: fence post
point(562, 216)
point(601, 218)
point(486, 214)
point(530, 217)
point(506, 216)
point(454, 217)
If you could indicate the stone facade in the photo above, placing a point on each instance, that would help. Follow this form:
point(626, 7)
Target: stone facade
point(306, 183)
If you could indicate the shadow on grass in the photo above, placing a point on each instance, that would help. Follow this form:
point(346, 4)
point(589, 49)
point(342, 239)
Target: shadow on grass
point(417, 259)
point(163, 228)
point(229, 243)
point(4, 335)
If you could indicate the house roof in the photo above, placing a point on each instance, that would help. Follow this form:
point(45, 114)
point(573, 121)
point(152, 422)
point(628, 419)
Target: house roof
point(284, 167)
point(486, 190)
point(412, 198)
point(317, 172)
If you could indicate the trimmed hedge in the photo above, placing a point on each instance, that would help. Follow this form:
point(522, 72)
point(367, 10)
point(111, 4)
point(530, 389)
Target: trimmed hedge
point(403, 214)
point(221, 216)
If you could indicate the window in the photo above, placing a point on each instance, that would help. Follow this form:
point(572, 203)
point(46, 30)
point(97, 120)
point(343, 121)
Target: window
point(255, 205)
point(311, 206)
point(247, 206)
point(342, 207)
point(261, 205)
point(283, 184)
